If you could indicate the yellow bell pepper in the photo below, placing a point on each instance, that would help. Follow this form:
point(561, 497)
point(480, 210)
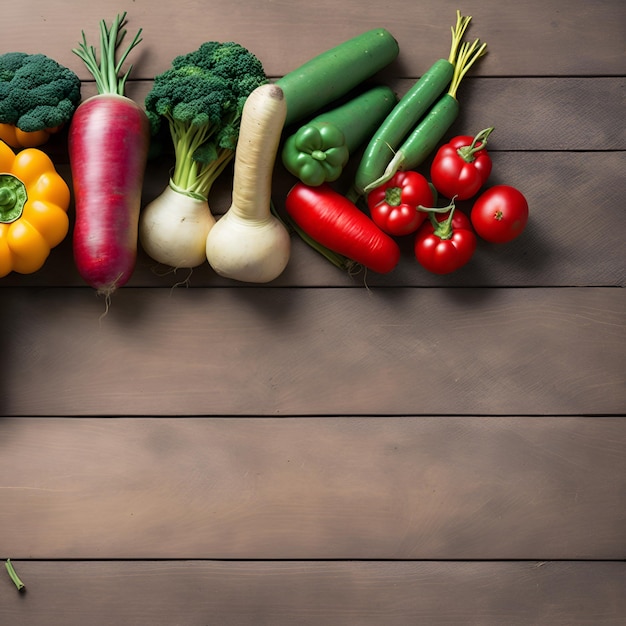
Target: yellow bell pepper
point(34, 200)
point(18, 138)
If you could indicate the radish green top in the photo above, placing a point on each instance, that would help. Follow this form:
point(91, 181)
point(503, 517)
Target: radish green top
point(107, 72)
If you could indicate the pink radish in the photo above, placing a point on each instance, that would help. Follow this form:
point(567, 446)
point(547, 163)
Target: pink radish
point(108, 147)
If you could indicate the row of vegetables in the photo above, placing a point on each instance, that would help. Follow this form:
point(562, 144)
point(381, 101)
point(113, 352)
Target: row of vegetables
point(215, 106)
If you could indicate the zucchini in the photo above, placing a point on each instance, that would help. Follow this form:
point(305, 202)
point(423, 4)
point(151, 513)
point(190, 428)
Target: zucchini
point(426, 135)
point(359, 118)
point(335, 72)
point(401, 120)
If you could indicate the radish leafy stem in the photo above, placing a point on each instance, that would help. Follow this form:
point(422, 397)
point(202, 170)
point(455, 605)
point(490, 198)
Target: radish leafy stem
point(107, 72)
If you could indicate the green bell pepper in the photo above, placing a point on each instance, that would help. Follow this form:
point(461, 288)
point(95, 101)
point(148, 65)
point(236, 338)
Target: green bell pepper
point(316, 153)
point(320, 149)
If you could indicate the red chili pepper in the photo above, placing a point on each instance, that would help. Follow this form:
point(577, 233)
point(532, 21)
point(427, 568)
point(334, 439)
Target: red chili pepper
point(333, 221)
point(462, 166)
point(446, 242)
point(394, 204)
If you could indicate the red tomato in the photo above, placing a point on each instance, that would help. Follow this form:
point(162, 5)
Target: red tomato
point(500, 214)
point(445, 243)
point(462, 166)
point(394, 204)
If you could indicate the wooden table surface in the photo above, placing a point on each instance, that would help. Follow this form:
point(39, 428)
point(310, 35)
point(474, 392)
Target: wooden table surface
point(405, 449)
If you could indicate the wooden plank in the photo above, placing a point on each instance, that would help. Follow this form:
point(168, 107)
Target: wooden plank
point(572, 239)
point(313, 488)
point(558, 114)
point(358, 593)
point(564, 114)
point(286, 34)
point(313, 351)
point(389, 455)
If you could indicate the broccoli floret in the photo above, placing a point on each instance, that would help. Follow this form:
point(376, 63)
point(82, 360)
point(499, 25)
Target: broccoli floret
point(36, 92)
point(201, 97)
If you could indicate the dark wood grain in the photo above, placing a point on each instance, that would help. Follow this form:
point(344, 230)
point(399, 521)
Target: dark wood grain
point(314, 351)
point(576, 113)
point(313, 488)
point(197, 593)
point(534, 38)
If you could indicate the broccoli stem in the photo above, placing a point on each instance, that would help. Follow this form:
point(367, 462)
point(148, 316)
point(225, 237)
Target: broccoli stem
point(201, 98)
point(107, 72)
point(209, 173)
point(191, 176)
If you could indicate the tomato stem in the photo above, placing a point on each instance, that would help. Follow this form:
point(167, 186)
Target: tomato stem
point(468, 153)
point(432, 209)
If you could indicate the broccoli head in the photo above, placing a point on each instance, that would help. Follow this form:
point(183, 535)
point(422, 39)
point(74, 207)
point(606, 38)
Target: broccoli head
point(36, 92)
point(201, 97)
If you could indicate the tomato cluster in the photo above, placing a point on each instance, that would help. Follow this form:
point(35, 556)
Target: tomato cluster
point(445, 239)
point(460, 168)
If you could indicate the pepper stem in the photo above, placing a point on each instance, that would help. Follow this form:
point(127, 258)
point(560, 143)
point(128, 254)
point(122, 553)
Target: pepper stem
point(443, 230)
point(7, 197)
point(468, 153)
point(13, 197)
point(393, 196)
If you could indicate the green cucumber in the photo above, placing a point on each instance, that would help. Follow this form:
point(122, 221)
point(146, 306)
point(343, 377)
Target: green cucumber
point(335, 72)
point(359, 117)
point(433, 126)
point(386, 141)
point(401, 120)
point(426, 135)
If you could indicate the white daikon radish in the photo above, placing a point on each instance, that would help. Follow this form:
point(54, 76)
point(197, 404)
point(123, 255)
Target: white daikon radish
point(248, 243)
